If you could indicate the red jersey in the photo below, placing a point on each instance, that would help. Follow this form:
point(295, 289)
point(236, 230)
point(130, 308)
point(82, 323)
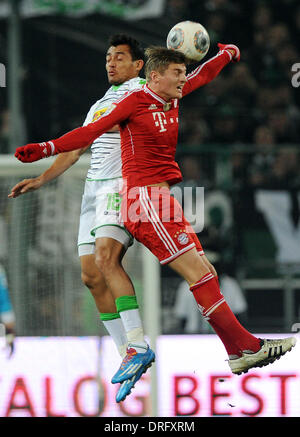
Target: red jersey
point(149, 139)
point(148, 127)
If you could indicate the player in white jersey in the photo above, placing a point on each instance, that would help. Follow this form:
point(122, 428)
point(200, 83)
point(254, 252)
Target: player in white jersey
point(102, 238)
point(104, 179)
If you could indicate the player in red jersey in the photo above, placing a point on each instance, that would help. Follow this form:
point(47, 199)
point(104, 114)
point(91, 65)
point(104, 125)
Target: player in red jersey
point(148, 121)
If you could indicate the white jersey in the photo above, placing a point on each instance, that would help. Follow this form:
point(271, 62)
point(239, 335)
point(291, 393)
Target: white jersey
point(106, 150)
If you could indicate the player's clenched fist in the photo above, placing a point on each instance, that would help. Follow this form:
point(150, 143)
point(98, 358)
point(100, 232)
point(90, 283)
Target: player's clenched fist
point(234, 51)
point(35, 151)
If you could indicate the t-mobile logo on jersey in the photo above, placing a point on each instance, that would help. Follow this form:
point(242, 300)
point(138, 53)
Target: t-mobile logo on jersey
point(160, 120)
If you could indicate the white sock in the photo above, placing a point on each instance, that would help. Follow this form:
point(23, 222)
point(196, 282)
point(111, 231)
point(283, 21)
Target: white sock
point(117, 332)
point(134, 330)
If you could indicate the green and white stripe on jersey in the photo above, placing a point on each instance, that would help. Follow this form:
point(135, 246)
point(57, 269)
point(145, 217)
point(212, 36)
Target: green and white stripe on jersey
point(106, 150)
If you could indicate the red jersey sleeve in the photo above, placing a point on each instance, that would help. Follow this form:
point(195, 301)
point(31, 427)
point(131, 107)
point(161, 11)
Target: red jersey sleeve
point(83, 136)
point(206, 72)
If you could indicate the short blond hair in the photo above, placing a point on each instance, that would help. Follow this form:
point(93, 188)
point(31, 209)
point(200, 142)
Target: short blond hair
point(159, 58)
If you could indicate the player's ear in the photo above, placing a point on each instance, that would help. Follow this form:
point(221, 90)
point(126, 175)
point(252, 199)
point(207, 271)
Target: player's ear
point(154, 76)
point(139, 63)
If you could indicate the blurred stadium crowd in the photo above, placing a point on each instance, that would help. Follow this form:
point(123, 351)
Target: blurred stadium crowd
point(254, 102)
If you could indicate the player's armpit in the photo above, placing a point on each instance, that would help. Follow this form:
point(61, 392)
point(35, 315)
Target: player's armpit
point(115, 128)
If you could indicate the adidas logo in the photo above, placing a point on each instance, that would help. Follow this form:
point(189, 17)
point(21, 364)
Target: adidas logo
point(273, 352)
point(153, 106)
point(45, 148)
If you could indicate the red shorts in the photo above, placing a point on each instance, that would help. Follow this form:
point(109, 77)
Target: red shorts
point(155, 218)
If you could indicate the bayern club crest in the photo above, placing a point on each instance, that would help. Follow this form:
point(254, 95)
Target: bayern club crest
point(182, 238)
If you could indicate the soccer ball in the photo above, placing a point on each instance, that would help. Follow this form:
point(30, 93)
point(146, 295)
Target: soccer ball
point(190, 38)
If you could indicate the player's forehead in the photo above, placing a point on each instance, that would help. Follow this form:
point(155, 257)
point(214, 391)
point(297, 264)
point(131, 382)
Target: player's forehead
point(121, 49)
point(180, 68)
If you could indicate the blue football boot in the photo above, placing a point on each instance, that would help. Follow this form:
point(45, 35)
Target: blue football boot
point(127, 386)
point(133, 363)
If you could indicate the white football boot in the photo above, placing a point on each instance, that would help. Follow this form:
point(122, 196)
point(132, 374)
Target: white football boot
point(270, 351)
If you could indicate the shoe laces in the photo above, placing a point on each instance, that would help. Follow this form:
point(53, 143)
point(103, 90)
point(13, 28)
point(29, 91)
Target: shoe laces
point(264, 342)
point(129, 355)
point(270, 342)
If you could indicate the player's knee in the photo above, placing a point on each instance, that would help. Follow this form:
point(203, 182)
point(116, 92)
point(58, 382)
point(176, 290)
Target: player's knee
point(209, 265)
point(93, 281)
point(98, 289)
point(106, 259)
point(212, 269)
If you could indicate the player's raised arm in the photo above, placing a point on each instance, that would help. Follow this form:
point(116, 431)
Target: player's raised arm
point(59, 166)
point(80, 137)
point(206, 72)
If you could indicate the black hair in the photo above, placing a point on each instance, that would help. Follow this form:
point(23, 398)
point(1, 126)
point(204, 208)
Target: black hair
point(136, 50)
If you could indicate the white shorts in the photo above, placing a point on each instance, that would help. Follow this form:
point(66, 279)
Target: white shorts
point(101, 215)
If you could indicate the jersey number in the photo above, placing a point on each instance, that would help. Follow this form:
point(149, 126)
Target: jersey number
point(113, 201)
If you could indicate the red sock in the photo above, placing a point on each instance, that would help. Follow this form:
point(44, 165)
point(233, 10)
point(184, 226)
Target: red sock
point(230, 347)
point(215, 309)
